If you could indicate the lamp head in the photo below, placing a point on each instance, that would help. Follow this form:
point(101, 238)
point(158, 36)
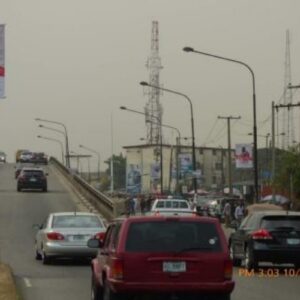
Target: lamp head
point(144, 83)
point(39, 136)
point(188, 49)
point(40, 125)
point(80, 146)
point(250, 133)
point(37, 119)
point(123, 107)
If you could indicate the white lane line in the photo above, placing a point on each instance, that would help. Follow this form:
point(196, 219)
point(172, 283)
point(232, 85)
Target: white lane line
point(27, 282)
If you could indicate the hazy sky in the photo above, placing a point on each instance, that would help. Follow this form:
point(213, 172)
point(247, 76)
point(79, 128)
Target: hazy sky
point(77, 61)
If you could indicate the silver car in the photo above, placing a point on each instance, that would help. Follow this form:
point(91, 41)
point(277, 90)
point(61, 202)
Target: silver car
point(65, 234)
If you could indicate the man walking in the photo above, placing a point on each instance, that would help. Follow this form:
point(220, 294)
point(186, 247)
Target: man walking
point(227, 213)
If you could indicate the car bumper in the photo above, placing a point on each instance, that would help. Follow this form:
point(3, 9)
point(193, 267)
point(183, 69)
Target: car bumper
point(56, 250)
point(276, 255)
point(187, 287)
point(33, 185)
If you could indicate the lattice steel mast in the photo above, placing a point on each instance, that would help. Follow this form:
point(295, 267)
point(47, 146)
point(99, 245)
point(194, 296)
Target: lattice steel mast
point(153, 108)
point(288, 116)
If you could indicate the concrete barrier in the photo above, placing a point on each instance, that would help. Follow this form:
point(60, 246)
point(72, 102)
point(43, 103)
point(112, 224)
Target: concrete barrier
point(8, 289)
point(107, 207)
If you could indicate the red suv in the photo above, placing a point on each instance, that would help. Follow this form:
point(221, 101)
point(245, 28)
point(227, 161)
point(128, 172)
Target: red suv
point(162, 255)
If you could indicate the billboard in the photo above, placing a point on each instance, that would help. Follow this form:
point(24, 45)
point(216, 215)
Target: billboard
point(243, 156)
point(186, 164)
point(155, 171)
point(133, 179)
point(2, 61)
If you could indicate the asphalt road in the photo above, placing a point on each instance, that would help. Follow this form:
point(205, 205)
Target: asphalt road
point(71, 280)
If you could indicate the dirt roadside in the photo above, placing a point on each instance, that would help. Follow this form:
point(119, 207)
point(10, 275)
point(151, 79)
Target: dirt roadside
point(7, 284)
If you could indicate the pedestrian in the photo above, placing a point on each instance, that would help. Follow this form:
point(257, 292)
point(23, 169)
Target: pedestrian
point(132, 206)
point(143, 205)
point(227, 213)
point(239, 213)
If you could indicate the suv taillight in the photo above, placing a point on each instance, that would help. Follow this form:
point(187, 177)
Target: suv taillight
point(228, 269)
point(261, 234)
point(116, 270)
point(55, 236)
point(100, 236)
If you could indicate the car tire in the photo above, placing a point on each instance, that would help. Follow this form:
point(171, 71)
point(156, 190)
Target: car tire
point(38, 256)
point(249, 261)
point(45, 189)
point(19, 189)
point(235, 261)
point(96, 291)
point(108, 294)
point(46, 259)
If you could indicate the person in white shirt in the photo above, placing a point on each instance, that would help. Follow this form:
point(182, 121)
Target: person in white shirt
point(239, 213)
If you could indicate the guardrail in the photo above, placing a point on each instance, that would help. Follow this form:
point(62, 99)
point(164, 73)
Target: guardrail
point(106, 206)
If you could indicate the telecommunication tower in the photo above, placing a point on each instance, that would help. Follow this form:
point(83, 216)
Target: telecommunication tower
point(153, 108)
point(287, 116)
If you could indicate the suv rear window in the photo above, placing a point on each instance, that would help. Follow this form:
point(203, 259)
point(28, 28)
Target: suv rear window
point(76, 222)
point(274, 222)
point(170, 236)
point(33, 173)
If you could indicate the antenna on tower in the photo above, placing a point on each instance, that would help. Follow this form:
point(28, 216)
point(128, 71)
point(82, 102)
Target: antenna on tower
point(153, 108)
point(288, 116)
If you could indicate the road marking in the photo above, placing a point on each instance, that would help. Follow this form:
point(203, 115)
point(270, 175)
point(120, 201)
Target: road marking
point(27, 282)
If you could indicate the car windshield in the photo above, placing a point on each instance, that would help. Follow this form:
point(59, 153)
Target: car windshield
point(76, 221)
point(277, 222)
point(172, 204)
point(172, 236)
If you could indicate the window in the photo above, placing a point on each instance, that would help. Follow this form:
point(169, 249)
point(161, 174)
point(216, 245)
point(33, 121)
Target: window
point(273, 222)
point(218, 166)
point(76, 221)
point(214, 152)
point(170, 236)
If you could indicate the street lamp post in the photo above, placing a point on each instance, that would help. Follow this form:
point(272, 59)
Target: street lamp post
point(54, 140)
point(143, 83)
point(66, 137)
point(255, 165)
point(98, 155)
point(178, 138)
point(161, 143)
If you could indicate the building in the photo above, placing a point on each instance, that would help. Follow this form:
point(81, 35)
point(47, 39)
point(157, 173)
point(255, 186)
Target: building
point(143, 167)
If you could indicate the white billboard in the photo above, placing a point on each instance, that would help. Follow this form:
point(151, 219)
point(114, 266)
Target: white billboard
point(2, 61)
point(243, 156)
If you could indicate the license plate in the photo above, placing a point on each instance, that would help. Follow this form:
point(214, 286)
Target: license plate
point(293, 241)
point(175, 266)
point(78, 237)
point(32, 179)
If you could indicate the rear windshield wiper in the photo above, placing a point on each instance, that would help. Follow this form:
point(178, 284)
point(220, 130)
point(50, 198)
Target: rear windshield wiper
point(194, 248)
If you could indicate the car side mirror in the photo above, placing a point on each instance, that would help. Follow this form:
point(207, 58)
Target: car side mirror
point(94, 243)
point(37, 226)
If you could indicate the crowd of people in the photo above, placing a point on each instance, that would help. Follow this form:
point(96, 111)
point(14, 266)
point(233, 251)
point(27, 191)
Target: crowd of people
point(138, 204)
point(237, 213)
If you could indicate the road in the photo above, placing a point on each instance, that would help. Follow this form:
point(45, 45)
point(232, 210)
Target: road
point(71, 280)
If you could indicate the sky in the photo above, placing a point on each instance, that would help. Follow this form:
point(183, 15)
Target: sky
point(77, 62)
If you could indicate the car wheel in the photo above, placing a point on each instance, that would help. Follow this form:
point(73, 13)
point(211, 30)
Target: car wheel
point(249, 261)
point(38, 256)
point(222, 297)
point(45, 259)
point(19, 189)
point(45, 190)
point(108, 294)
point(96, 291)
point(235, 261)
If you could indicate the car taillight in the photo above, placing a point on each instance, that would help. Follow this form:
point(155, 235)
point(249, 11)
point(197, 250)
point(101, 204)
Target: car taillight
point(116, 270)
point(100, 236)
point(261, 234)
point(228, 269)
point(55, 236)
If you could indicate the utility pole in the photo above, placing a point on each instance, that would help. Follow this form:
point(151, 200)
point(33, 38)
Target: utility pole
point(229, 149)
point(273, 152)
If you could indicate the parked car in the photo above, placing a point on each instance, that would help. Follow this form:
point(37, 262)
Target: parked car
point(171, 205)
point(162, 255)
point(65, 235)
point(2, 157)
point(32, 178)
point(267, 236)
point(18, 154)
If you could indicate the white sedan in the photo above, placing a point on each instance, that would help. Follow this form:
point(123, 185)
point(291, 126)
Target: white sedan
point(65, 234)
